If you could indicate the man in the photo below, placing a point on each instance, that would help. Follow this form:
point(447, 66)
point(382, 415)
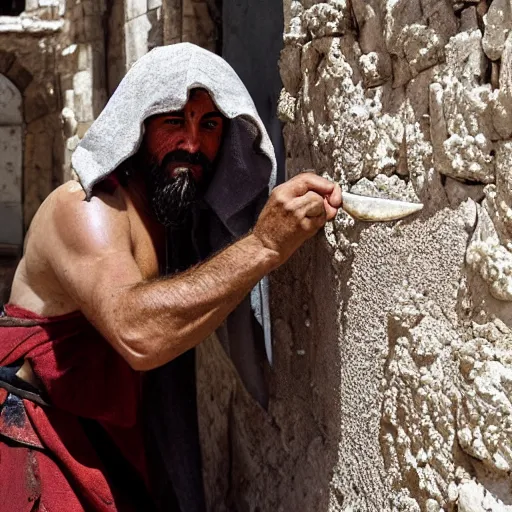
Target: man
point(175, 169)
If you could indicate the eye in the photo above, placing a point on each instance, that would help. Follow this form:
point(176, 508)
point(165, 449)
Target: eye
point(174, 121)
point(210, 125)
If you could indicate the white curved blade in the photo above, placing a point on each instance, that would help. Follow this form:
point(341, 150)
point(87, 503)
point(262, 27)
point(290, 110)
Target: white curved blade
point(376, 209)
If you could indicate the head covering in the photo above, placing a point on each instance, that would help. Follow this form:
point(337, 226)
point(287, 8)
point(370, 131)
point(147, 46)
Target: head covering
point(160, 82)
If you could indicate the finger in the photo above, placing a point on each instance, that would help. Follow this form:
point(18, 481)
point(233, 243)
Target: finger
point(330, 211)
point(309, 205)
point(336, 199)
point(302, 183)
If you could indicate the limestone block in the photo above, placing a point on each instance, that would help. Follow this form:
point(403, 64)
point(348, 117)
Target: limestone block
point(469, 20)
point(440, 17)
point(83, 94)
point(498, 202)
point(136, 38)
point(134, 8)
point(371, 140)
point(422, 47)
point(154, 4)
point(458, 192)
point(463, 141)
point(387, 187)
point(498, 22)
point(484, 420)
point(373, 70)
point(474, 498)
point(290, 73)
point(294, 24)
point(69, 122)
point(491, 260)
point(10, 102)
point(155, 36)
point(286, 107)
point(31, 5)
point(503, 104)
point(327, 19)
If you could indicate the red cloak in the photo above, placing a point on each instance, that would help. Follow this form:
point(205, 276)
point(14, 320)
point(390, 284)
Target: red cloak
point(49, 461)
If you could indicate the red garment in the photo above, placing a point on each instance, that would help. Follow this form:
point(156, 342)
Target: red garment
point(83, 377)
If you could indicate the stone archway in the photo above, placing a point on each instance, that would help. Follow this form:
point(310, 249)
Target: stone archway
point(11, 227)
point(11, 177)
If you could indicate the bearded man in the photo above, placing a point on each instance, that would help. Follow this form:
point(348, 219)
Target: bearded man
point(128, 270)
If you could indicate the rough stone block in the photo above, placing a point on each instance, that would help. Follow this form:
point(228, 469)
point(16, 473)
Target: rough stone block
point(155, 35)
point(134, 8)
point(10, 102)
point(83, 92)
point(6, 61)
point(19, 76)
point(469, 19)
point(31, 5)
point(154, 4)
point(137, 35)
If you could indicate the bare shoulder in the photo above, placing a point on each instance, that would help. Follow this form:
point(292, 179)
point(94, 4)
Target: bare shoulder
point(68, 218)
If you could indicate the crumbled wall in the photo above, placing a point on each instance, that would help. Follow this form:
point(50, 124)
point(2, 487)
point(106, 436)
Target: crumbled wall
point(391, 386)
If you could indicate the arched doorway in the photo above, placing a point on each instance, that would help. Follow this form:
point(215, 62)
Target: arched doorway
point(11, 165)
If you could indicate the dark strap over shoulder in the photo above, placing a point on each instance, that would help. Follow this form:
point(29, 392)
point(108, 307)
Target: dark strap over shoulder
point(13, 384)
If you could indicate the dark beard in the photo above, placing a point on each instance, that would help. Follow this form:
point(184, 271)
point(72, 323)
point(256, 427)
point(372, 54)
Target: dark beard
point(172, 197)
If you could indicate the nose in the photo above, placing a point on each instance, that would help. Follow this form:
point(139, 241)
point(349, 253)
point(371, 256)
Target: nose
point(190, 140)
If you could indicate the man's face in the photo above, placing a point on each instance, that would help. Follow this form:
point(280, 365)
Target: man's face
point(178, 150)
point(197, 129)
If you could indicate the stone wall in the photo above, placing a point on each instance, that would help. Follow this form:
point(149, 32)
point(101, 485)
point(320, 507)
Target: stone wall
point(391, 386)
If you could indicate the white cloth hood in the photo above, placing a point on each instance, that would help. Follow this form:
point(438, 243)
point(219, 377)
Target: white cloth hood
point(160, 82)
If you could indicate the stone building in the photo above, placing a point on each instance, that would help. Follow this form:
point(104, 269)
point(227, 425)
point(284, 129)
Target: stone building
point(392, 377)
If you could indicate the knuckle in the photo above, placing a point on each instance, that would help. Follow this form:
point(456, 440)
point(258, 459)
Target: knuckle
point(279, 196)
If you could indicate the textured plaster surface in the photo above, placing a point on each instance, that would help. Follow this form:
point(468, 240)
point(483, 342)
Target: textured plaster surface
point(391, 388)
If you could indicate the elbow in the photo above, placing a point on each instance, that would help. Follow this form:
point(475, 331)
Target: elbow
point(142, 354)
point(140, 362)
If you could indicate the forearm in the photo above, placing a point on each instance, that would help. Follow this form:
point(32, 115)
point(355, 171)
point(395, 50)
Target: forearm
point(166, 317)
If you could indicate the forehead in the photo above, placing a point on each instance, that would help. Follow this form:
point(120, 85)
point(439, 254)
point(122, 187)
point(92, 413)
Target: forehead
point(199, 98)
point(199, 103)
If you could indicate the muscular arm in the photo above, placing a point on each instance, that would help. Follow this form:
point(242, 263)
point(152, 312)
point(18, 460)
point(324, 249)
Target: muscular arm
point(151, 322)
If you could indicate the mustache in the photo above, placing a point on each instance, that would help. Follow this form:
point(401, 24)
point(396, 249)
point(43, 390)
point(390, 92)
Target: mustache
point(182, 156)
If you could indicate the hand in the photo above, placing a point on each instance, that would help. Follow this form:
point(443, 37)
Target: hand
point(295, 211)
